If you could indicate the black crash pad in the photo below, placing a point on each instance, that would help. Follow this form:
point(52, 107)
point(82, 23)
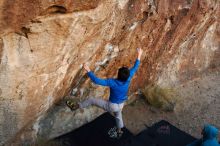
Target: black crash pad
point(162, 134)
point(95, 133)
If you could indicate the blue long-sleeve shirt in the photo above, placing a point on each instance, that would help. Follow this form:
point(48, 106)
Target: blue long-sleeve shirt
point(118, 89)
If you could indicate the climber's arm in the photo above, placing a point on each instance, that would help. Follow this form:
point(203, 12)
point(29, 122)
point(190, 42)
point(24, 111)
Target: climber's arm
point(137, 62)
point(99, 81)
point(96, 80)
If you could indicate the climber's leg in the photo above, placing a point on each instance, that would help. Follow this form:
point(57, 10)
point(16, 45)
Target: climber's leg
point(117, 110)
point(97, 102)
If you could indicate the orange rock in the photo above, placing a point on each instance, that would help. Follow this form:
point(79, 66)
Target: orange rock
point(44, 43)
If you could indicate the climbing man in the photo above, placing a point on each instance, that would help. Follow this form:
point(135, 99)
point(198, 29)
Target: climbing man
point(118, 92)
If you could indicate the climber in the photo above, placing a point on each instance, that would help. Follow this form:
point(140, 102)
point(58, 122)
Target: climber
point(210, 134)
point(118, 92)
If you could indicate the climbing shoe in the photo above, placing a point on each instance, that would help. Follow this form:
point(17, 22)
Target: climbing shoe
point(73, 105)
point(119, 134)
point(113, 133)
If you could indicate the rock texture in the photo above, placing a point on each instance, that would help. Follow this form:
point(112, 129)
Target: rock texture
point(44, 43)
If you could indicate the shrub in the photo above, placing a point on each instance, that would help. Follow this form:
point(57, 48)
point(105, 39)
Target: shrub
point(163, 98)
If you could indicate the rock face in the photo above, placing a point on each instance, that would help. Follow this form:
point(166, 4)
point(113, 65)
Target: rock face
point(44, 43)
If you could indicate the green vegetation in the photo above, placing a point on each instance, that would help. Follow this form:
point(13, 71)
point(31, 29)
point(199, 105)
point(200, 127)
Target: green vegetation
point(163, 98)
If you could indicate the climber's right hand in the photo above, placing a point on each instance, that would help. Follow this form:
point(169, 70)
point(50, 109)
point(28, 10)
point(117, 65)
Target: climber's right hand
point(139, 51)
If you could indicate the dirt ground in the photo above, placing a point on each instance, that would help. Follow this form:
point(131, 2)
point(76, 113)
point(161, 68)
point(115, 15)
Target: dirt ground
point(199, 104)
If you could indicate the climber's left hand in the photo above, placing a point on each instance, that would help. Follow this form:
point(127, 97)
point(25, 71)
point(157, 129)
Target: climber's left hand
point(86, 67)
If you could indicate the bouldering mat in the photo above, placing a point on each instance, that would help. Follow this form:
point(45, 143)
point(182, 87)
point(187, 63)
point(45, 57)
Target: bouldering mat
point(162, 134)
point(99, 132)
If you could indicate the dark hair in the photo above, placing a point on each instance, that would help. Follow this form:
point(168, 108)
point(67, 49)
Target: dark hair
point(123, 74)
